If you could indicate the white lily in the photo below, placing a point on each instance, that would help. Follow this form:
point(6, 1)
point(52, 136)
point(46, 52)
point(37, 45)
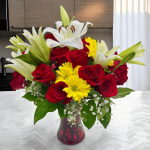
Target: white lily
point(23, 68)
point(38, 46)
point(67, 36)
point(103, 56)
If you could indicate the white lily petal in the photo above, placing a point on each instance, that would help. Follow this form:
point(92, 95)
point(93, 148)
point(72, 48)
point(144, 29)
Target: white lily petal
point(113, 50)
point(27, 34)
point(13, 54)
point(25, 45)
point(51, 43)
point(12, 47)
point(27, 50)
point(19, 52)
point(35, 45)
point(85, 28)
point(103, 47)
point(58, 24)
point(109, 59)
point(19, 68)
point(43, 46)
point(73, 42)
point(49, 29)
point(78, 28)
point(35, 34)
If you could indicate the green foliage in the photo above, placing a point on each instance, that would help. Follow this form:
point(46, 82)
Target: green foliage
point(61, 110)
point(89, 118)
point(106, 119)
point(43, 108)
point(44, 89)
point(29, 59)
point(103, 111)
point(122, 92)
point(37, 101)
point(29, 97)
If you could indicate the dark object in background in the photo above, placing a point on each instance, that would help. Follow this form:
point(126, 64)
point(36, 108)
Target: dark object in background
point(5, 78)
point(3, 68)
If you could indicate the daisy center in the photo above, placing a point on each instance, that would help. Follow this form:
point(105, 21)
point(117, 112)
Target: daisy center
point(74, 88)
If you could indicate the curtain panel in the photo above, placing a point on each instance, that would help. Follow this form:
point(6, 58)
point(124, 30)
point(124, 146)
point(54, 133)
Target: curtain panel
point(131, 25)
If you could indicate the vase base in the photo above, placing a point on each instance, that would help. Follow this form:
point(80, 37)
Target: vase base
point(71, 141)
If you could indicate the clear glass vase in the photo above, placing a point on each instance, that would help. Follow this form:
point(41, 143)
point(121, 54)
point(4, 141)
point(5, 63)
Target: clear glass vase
point(71, 135)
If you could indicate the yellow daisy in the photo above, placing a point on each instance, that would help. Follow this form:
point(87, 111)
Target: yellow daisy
point(92, 47)
point(77, 88)
point(65, 71)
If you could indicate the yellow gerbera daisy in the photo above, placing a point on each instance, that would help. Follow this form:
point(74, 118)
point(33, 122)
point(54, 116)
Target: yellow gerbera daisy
point(92, 47)
point(77, 88)
point(65, 71)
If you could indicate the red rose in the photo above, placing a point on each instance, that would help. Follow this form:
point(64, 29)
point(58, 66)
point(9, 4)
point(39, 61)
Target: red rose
point(85, 43)
point(77, 57)
point(44, 74)
point(59, 55)
point(108, 86)
point(18, 81)
point(56, 94)
point(92, 74)
point(50, 36)
point(120, 72)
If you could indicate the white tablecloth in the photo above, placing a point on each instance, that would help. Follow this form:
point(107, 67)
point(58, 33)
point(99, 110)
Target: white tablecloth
point(129, 128)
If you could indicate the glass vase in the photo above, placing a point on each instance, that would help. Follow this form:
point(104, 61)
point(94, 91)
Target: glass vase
point(71, 135)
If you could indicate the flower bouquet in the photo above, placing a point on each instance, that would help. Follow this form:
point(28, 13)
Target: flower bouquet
point(78, 77)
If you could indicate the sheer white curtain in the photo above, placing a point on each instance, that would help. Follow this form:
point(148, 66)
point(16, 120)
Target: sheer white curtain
point(131, 25)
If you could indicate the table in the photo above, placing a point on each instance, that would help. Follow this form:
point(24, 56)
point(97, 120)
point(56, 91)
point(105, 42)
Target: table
point(129, 128)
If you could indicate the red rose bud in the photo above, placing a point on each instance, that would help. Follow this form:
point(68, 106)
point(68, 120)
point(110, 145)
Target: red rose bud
point(50, 36)
point(77, 57)
point(108, 86)
point(56, 94)
point(92, 74)
point(58, 55)
point(120, 72)
point(18, 81)
point(44, 74)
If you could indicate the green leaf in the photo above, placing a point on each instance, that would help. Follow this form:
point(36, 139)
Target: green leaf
point(30, 59)
point(43, 108)
point(104, 111)
point(106, 119)
point(37, 101)
point(64, 17)
point(130, 50)
point(29, 97)
point(44, 89)
point(122, 92)
point(89, 118)
point(61, 110)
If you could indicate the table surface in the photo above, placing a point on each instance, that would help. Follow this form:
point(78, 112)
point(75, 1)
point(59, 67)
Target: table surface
point(129, 128)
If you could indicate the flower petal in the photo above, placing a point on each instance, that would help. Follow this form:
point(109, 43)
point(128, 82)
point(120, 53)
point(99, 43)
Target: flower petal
point(78, 28)
point(51, 43)
point(85, 28)
point(58, 24)
point(113, 50)
point(73, 42)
